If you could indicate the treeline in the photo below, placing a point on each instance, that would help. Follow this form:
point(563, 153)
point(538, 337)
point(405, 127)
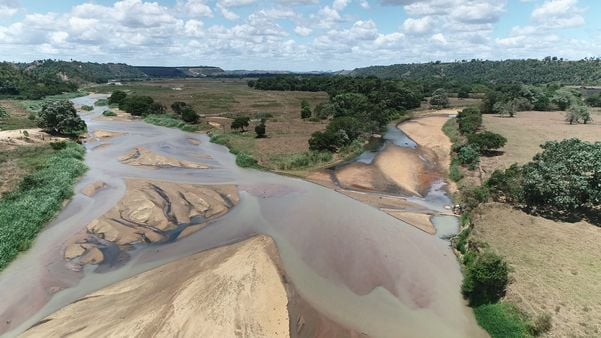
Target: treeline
point(81, 72)
point(531, 71)
point(357, 107)
point(16, 82)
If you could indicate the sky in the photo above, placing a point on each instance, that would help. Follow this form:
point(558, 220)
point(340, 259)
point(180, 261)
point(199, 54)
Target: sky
point(299, 35)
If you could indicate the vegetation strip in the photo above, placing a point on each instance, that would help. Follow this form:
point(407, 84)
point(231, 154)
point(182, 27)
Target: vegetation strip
point(37, 199)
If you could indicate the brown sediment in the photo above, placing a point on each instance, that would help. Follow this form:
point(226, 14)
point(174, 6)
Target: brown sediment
point(381, 201)
point(144, 157)
point(236, 290)
point(193, 141)
point(405, 168)
point(149, 213)
point(91, 189)
point(322, 177)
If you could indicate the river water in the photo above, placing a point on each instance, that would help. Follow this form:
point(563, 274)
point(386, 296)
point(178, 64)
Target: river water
point(355, 264)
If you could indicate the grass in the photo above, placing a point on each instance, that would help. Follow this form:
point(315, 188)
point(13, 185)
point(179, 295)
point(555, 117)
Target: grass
point(109, 113)
point(502, 320)
point(35, 106)
point(37, 199)
point(170, 122)
point(15, 117)
point(302, 160)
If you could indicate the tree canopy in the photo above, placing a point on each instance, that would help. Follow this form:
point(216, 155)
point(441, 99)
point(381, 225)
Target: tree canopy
point(60, 117)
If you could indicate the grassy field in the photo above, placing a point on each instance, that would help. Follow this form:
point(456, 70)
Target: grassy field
point(221, 100)
point(556, 269)
point(18, 116)
point(528, 130)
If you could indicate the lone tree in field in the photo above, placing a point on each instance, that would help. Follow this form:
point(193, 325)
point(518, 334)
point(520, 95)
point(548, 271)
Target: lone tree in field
point(440, 98)
point(487, 141)
point(117, 97)
point(305, 110)
point(486, 279)
point(260, 129)
point(240, 123)
point(60, 117)
point(577, 113)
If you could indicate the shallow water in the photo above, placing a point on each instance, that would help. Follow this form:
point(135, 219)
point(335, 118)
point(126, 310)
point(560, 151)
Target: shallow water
point(353, 263)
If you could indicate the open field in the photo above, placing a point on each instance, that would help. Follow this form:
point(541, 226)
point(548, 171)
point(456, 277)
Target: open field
point(528, 130)
point(220, 100)
point(219, 96)
point(17, 116)
point(556, 267)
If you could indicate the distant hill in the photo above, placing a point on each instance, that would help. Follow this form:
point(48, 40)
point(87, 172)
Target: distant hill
point(15, 81)
point(82, 72)
point(548, 70)
point(178, 72)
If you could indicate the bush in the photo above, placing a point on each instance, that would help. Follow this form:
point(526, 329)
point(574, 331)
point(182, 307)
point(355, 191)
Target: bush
point(3, 113)
point(469, 120)
point(260, 129)
point(178, 107)
point(169, 122)
point(455, 173)
point(502, 320)
point(117, 97)
point(468, 156)
point(304, 160)
point(486, 279)
point(506, 184)
point(109, 113)
point(245, 161)
point(486, 141)
point(240, 123)
point(440, 98)
point(542, 324)
point(189, 115)
point(137, 105)
point(87, 108)
point(60, 117)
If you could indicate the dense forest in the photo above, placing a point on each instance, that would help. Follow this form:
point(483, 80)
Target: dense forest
point(531, 71)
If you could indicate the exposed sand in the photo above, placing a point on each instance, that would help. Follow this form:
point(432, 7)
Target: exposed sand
point(91, 189)
point(403, 167)
point(148, 213)
point(232, 291)
point(144, 157)
point(104, 134)
point(35, 137)
point(427, 132)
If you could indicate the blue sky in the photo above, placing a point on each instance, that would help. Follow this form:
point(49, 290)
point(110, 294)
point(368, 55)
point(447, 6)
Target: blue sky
point(297, 34)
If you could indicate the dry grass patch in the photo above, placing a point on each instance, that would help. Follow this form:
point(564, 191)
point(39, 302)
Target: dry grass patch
point(556, 267)
point(528, 130)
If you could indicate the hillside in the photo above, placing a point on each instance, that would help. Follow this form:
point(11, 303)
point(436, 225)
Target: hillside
point(179, 72)
point(17, 82)
point(583, 72)
point(81, 72)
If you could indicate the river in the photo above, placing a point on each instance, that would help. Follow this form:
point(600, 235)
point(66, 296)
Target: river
point(355, 264)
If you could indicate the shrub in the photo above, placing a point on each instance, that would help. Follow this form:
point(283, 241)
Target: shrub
point(455, 173)
point(305, 110)
point(137, 105)
point(469, 120)
point(109, 113)
point(304, 160)
point(178, 107)
point(117, 97)
point(260, 129)
point(189, 115)
point(3, 113)
point(486, 141)
point(245, 160)
point(87, 108)
point(440, 98)
point(486, 279)
point(169, 122)
point(542, 324)
point(240, 123)
point(468, 156)
point(506, 184)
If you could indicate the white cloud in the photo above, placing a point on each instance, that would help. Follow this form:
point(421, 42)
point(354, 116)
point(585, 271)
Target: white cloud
point(558, 14)
point(196, 8)
point(418, 26)
point(303, 31)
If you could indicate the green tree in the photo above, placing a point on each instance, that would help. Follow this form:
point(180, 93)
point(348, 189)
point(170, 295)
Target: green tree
point(469, 156)
point(305, 110)
point(240, 123)
point(440, 98)
point(60, 117)
point(486, 279)
point(178, 107)
point(469, 120)
point(137, 105)
point(577, 113)
point(117, 97)
point(324, 141)
point(189, 115)
point(565, 177)
point(486, 141)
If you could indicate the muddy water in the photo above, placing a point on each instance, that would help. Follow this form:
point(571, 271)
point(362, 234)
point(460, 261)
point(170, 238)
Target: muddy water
point(353, 263)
